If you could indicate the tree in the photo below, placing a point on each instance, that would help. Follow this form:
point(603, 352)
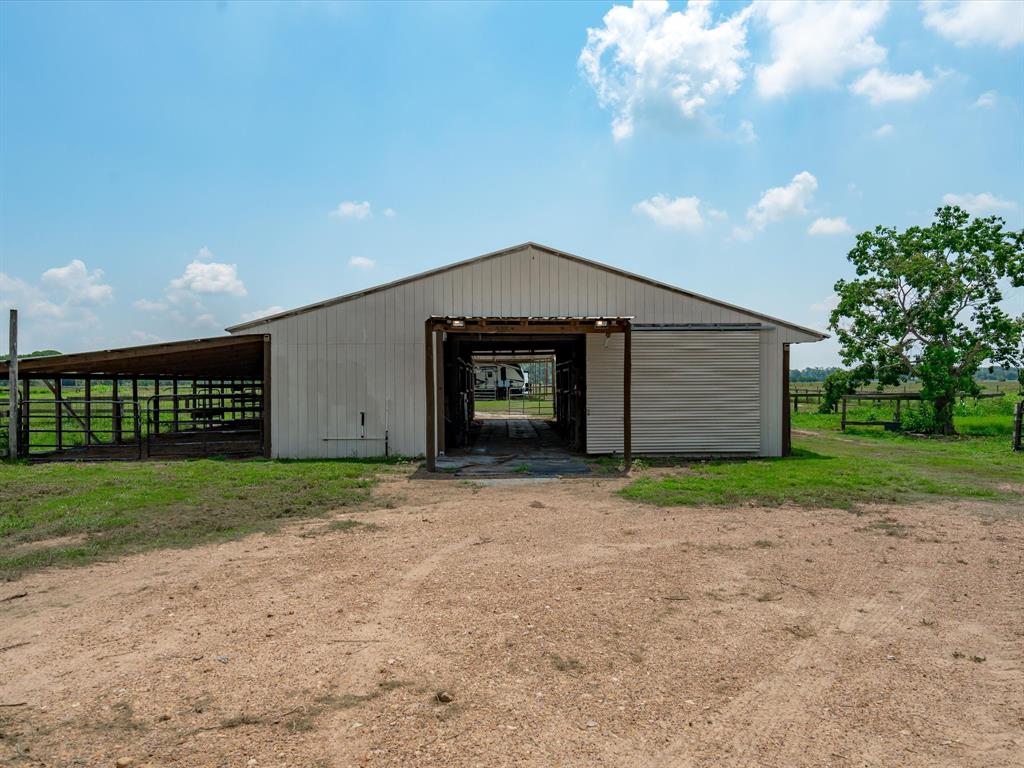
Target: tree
point(926, 303)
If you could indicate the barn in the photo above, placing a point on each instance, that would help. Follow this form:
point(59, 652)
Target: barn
point(642, 367)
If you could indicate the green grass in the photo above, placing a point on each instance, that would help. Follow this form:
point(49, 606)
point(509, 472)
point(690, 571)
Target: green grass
point(530, 406)
point(102, 510)
point(843, 470)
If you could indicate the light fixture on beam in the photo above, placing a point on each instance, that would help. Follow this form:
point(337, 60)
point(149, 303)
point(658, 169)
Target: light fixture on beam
point(458, 323)
point(601, 323)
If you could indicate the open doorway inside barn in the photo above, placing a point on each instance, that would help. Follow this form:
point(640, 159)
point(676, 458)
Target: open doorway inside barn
point(509, 394)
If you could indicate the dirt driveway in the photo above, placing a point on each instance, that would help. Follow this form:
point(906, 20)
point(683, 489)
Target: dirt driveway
point(567, 626)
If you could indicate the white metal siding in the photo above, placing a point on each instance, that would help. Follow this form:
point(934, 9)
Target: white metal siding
point(692, 392)
point(365, 354)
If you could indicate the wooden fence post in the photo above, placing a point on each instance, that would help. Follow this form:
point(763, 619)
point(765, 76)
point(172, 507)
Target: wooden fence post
point(58, 408)
point(12, 379)
point(1018, 418)
point(842, 426)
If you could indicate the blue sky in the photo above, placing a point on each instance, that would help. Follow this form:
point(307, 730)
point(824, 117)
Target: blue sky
point(167, 170)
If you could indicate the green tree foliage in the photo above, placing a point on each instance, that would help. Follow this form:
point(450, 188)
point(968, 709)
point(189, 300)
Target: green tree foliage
point(37, 353)
point(838, 383)
point(925, 303)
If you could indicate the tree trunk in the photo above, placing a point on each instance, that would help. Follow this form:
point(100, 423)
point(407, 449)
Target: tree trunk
point(944, 415)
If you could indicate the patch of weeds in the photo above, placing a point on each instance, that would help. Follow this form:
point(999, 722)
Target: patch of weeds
point(303, 719)
point(348, 524)
point(565, 663)
point(927, 622)
point(639, 465)
point(977, 659)
point(241, 719)
point(764, 544)
point(537, 505)
point(521, 469)
point(890, 526)
point(800, 632)
point(122, 719)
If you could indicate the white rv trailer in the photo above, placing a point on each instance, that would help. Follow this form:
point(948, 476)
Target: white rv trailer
point(499, 381)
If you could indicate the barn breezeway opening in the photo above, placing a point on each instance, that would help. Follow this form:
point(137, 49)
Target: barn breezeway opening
point(509, 394)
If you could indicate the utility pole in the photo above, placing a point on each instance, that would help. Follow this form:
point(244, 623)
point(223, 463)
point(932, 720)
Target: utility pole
point(12, 378)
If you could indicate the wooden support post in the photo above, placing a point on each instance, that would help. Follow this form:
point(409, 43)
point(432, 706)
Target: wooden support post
point(787, 424)
point(266, 391)
point(440, 398)
point(898, 411)
point(627, 398)
point(88, 410)
point(174, 404)
point(842, 422)
point(1018, 421)
point(428, 343)
point(156, 405)
point(12, 395)
point(115, 414)
point(135, 405)
point(58, 412)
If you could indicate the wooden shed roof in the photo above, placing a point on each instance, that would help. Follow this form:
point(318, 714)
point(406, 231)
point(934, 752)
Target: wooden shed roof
point(221, 357)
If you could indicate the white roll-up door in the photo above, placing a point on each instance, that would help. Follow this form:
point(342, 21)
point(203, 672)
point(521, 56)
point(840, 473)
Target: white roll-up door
point(694, 391)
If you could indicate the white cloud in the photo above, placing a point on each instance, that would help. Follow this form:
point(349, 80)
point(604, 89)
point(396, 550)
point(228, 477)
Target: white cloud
point(682, 213)
point(883, 130)
point(827, 305)
point(58, 307)
point(204, 254)
point(782, 202)
point(834, 226)
point(209, 277)
point(880, 87)
point(256, 314)
point(813, 44)
point(350, 209)
point(149, 306)
point(987, 100)
point(742, 234)
point(390, 213)
point(979, 204)
point(746, 133)
point(361, 262)
point(29, 300)
point(145, 338)
point(982, 22)
point(647, 62)
point(77, 283)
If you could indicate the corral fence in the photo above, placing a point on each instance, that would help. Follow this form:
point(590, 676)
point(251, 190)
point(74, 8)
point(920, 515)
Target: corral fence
point(1018, 418)
point(221, 420)
point(538, 400)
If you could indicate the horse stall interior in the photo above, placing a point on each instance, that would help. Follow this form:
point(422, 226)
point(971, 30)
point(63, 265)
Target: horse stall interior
point(466, 428)
point(204, 397)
